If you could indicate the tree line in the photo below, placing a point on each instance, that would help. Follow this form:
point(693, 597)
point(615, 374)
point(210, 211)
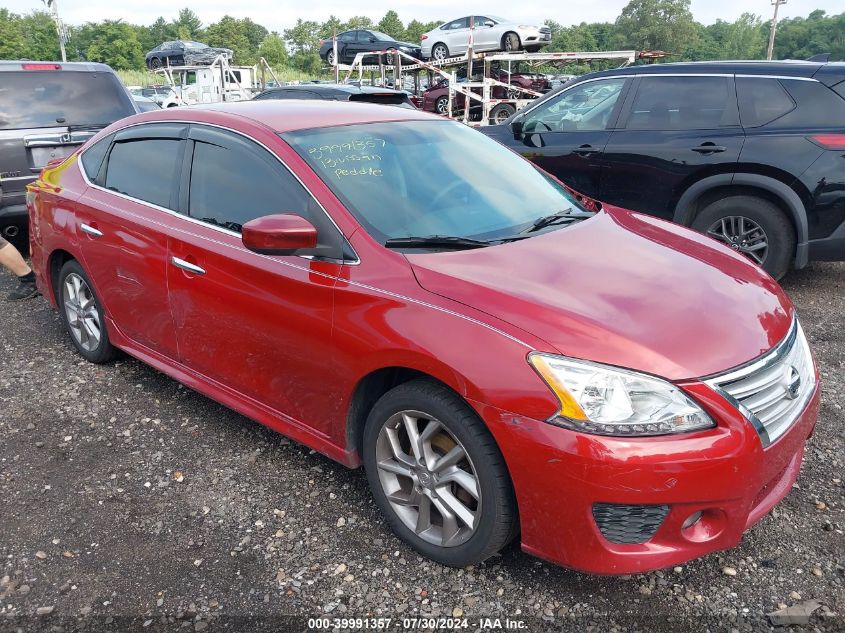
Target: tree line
point(666, 25)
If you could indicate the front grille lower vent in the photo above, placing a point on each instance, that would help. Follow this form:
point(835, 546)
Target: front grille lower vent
point(627, 524)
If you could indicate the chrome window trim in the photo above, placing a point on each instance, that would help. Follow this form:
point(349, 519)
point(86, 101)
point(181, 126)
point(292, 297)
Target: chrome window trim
point(354, 262)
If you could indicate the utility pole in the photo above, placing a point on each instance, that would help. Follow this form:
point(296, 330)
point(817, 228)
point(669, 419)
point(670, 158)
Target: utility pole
point(60, 28)
point(776, 4)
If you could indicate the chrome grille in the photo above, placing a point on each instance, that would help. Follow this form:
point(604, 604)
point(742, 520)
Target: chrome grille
point(772, 391)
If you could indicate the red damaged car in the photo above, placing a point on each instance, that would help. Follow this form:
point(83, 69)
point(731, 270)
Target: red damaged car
point(620, 392)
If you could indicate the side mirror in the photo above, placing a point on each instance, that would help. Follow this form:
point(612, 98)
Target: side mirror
point(282, 234)
point(516, 128)
point(489, 23)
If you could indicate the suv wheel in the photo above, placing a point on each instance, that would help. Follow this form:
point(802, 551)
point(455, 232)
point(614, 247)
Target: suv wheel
point(83, 315)
point(501, 113)
point(437, 475)
point(752, 226)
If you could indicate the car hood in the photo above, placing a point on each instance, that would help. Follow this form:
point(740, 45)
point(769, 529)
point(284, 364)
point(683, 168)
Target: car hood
point(623, 289)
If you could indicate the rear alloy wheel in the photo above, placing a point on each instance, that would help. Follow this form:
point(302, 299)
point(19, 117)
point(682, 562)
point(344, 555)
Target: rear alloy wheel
point(82, 314)
point(437, 475)
point(501, 113)
point(330, 58)
point(439, 52)
point(155, 63)
point(441, 106)
point(753, 226)
point(510, 42)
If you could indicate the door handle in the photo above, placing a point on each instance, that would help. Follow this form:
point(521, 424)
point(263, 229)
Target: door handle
point(188, 266)
point(90, 230)
point(709, 148)
point(585, 150)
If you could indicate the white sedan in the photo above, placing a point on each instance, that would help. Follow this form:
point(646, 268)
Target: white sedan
point(491, 33)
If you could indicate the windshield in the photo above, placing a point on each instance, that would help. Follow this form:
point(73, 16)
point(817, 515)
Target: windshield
point(38, 98)
point(422, 178)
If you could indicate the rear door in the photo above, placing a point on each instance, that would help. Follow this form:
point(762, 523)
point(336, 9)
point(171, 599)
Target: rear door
point(123, 222)
point(674, 130)
point(46, 112)
point(566, 134)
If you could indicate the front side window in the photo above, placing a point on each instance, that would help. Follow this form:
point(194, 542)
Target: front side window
point(146, 169)
point(234, 182)
point(375, 170)
point(684, 103)
point(586, 107)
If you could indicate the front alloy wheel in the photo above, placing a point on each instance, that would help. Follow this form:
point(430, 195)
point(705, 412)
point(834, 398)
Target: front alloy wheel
point(743, 235)
point(437, 474)
point(428, 478)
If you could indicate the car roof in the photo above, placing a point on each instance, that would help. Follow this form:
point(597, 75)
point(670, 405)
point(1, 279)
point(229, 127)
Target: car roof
point(8, 65)
point(288, 116)
point(779, 68)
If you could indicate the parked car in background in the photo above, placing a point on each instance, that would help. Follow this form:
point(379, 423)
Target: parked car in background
point(750, 153)
point(491, 33)
point(436, 97)
point(145, 104)
point(522, 79)
point(338, 92)
point(350, 43)
point(47, 110)
point(184, 53)
point(408, 295)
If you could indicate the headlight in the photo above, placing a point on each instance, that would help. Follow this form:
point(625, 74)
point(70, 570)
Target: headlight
point(604, 400)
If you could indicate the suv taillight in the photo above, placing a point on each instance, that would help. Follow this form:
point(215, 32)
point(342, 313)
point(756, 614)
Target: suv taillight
point(835, 142)
point(41, 66)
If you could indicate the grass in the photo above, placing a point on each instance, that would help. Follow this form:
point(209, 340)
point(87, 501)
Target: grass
point(146, 78)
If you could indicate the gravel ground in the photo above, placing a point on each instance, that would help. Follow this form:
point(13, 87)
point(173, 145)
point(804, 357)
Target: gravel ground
point(132, 503)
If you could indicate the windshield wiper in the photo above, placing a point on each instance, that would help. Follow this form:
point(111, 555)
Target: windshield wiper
point(435, 241)
point(567, 215)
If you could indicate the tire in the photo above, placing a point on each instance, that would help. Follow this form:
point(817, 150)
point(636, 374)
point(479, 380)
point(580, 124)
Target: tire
point(455, 543)
point(738, 215)
point(94, 348)
point(501, 112)
point(330, 58)
point(388, 59)
point(439, 52)
point(510, 42)
point(155, 63)
point(441, 106)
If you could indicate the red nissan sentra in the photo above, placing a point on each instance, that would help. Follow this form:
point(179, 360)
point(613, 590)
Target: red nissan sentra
point(400, 291)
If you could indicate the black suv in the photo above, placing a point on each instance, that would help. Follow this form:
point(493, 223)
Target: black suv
point(750, 153)
point(47, 110)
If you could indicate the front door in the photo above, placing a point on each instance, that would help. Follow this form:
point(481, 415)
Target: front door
point(675, 131)
point(566, 135)
point(259, 325)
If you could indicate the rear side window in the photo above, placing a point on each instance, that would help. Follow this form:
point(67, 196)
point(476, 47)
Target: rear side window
point(92, 158)
point(684, 103)
point(234, 183)
point(762, 100)
point(818, 105)
point(145, 169)
point(42, 98)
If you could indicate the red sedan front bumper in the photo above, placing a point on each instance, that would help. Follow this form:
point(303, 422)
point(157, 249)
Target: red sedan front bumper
point(724, 473)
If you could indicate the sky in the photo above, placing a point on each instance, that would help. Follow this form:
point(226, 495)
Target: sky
point(277, 15)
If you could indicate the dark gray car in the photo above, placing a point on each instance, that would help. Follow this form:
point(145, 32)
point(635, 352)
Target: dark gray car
point(184, 53)
point(47, 110)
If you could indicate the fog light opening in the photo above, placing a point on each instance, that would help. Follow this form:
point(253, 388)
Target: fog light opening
point(11, 231)
point(692, 519)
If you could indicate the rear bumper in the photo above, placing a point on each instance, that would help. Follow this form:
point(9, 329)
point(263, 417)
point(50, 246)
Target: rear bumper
point(724, 473)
